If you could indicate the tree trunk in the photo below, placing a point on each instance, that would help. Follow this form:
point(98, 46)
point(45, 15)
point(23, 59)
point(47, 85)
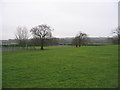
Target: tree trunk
point(76, 45)
point(79, 44)
point(42, 42)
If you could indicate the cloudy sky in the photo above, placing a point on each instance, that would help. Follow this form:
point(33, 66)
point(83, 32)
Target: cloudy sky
point(67, 17)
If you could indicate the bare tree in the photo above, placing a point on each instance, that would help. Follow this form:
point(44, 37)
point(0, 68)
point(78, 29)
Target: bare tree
point(80, 39)
point(42, 31)
point(117, 32)
point(22, 35)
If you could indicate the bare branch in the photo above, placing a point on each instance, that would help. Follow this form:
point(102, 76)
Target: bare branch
point(22, 35)
point(42, 31)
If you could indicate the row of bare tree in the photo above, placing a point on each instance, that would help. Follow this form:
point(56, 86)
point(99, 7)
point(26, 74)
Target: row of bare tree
point(42, 34)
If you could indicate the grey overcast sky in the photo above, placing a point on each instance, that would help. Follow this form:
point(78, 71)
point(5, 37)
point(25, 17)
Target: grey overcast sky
point(67, 17)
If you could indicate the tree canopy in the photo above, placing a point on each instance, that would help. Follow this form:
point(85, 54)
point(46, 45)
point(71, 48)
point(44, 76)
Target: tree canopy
point(42, 31)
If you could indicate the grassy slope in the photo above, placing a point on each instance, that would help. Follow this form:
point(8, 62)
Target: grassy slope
point(68, 67)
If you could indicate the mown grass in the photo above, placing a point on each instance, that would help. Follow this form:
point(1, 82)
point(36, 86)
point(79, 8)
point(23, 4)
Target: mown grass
point(62, 67)
point(0, 70)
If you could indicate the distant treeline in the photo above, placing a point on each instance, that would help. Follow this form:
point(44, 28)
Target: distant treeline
point(91, 41)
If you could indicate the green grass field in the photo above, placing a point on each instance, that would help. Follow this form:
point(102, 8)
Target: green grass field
point(62, 67)
point(0, 70)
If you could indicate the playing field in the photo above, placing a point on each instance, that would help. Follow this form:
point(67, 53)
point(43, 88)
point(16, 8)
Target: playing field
point(62, 67)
